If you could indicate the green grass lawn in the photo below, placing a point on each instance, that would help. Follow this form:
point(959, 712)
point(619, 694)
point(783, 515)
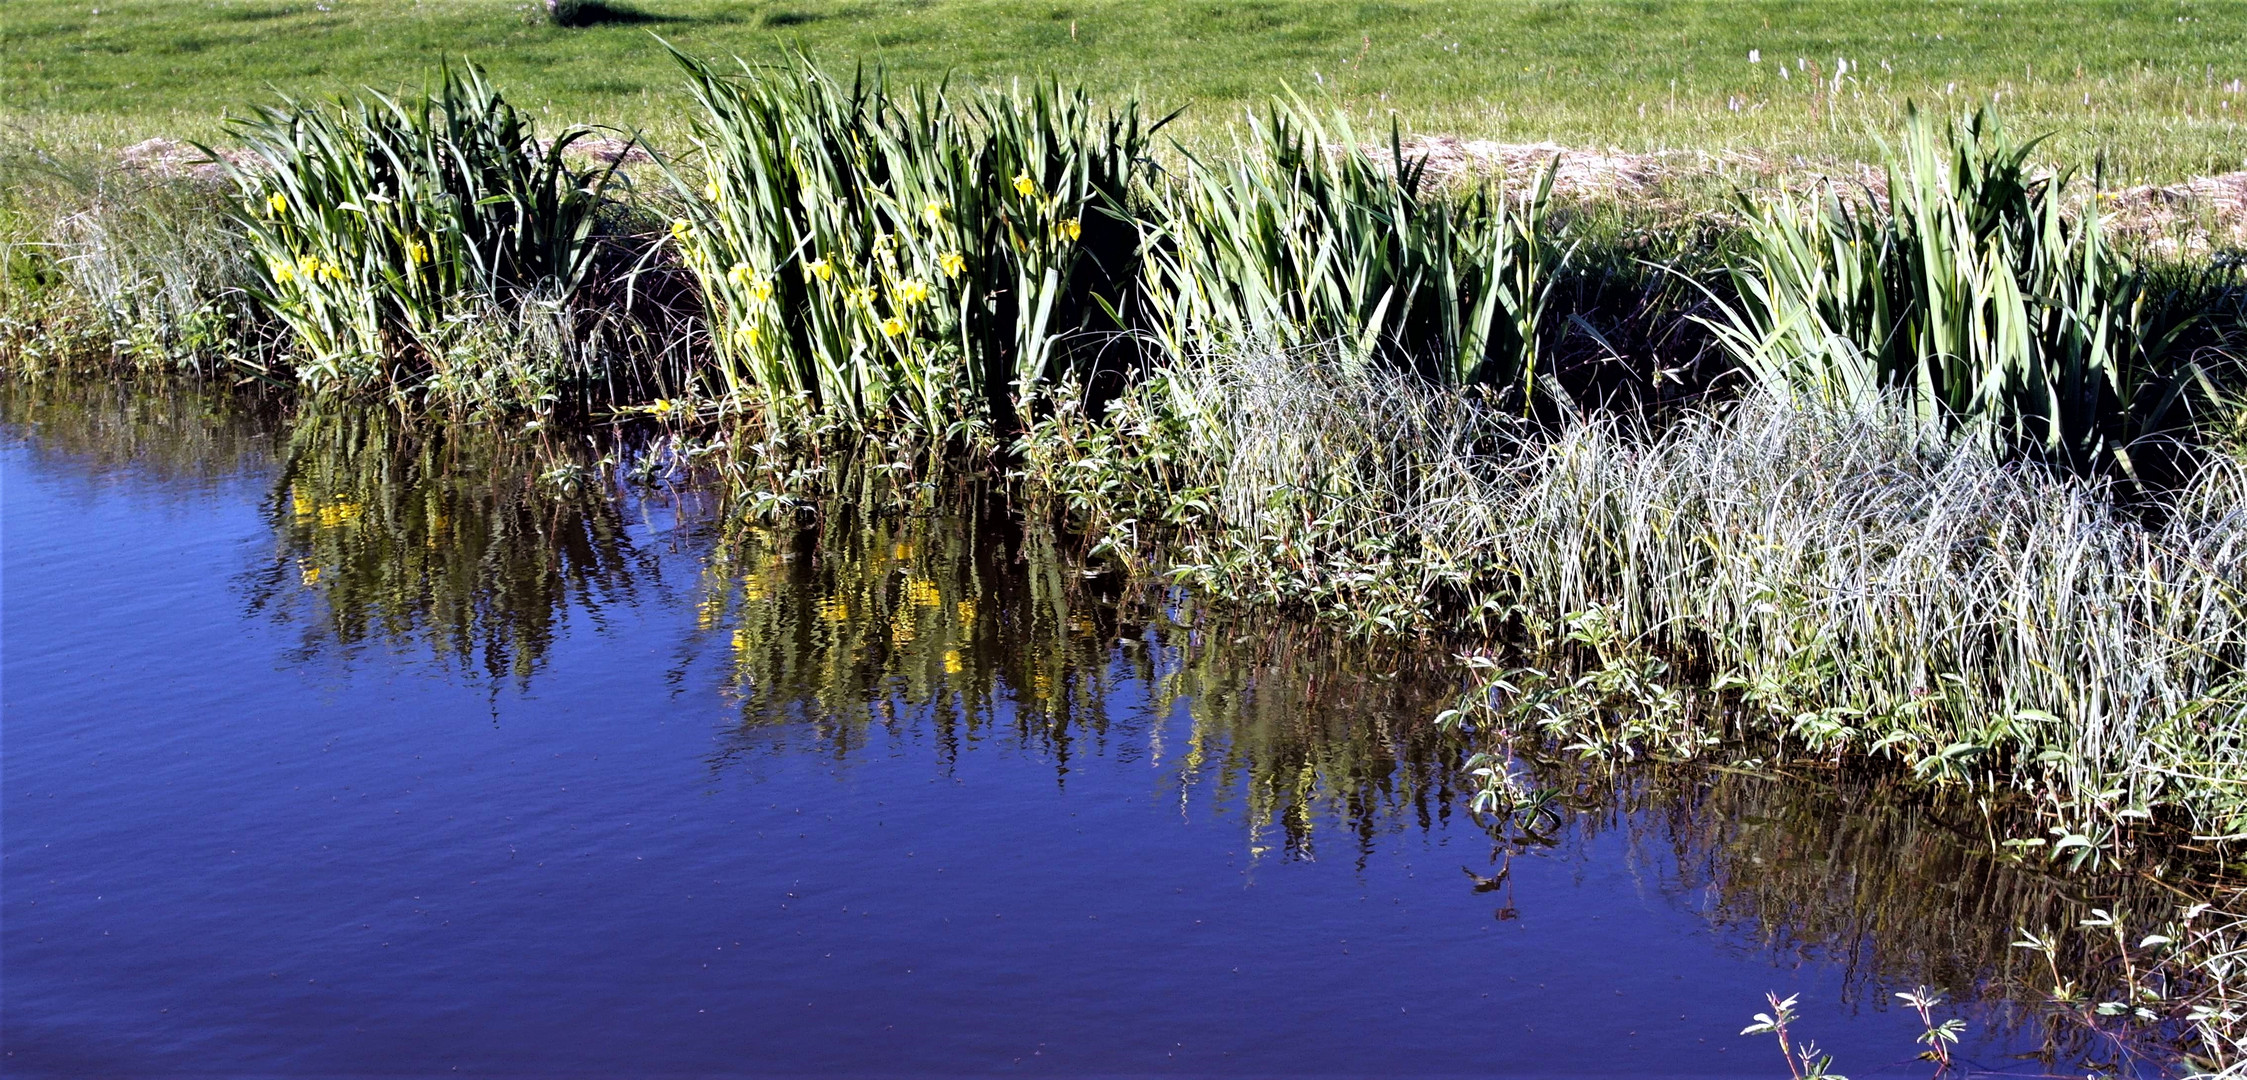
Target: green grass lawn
point(2154, 85)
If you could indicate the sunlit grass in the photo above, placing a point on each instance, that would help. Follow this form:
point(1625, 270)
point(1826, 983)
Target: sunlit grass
point(2153, 87)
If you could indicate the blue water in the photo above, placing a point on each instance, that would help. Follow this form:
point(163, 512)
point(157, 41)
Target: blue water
point(229, 854)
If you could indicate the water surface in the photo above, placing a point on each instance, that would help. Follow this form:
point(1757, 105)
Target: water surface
point(336, 747)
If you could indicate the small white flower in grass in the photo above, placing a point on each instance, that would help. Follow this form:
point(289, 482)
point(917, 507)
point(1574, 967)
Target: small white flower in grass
point(1755, 56)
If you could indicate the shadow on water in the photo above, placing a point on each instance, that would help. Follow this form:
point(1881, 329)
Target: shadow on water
point(971, 627)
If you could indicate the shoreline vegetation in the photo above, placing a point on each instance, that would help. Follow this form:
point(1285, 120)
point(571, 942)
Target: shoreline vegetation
point(1932, 472)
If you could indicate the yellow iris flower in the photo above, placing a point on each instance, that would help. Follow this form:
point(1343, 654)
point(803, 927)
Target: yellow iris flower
point(1024, 186)
point(892, 326)
point(952, 263)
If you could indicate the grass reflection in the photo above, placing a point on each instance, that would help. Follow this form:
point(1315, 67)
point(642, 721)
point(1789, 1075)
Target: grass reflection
point(971, 626)
point(456, 538)
point(173, 429)
point(1896, 889)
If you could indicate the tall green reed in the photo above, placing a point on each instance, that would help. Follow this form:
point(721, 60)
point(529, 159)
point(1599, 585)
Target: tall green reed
point(384, 228)
point(913, 258)
point(1975, 292)
point(1300, 237)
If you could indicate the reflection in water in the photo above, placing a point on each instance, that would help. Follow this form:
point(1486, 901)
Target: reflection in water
point(174, 430)
point(1897, 891)
point(881, 623)
point(873, 621)
point(393, 530)
point(969, 627)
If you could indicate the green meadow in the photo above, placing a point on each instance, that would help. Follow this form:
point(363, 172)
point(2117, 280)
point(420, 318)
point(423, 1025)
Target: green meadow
point(2153, 88)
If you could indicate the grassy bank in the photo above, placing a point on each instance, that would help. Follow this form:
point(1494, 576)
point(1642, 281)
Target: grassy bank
point(2154, 88)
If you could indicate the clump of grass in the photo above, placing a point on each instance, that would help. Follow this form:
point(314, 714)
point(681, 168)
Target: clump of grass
point(1860, 588)
point(1974, 293)
point(904, 258)
point(100, 261)
point(379, 228)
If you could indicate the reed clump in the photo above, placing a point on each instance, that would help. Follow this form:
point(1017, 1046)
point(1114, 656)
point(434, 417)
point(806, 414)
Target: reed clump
point(434, 243)
point(1300, 236)
point(1976, 295)
point(925, 258)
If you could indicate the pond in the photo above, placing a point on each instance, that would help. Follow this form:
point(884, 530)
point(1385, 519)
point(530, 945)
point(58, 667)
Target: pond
point(335, 744)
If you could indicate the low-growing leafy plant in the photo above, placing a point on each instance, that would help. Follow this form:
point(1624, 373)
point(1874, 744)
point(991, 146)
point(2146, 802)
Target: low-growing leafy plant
point(1804, 1062)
